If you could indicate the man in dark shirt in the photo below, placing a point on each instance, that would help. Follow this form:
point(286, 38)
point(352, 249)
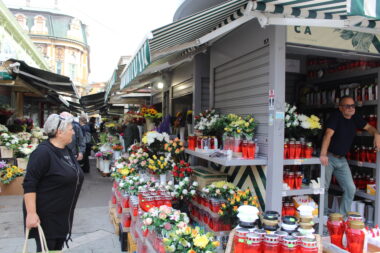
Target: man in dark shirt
point(340, 133)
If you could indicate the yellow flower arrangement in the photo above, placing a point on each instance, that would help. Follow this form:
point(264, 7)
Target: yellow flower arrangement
point(201, 241)
point(9, 172)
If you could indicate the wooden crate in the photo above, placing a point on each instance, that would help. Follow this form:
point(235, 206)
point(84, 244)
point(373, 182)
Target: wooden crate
point(114, 219)
point(205, 176)
point(132, 246)
point(13, 188)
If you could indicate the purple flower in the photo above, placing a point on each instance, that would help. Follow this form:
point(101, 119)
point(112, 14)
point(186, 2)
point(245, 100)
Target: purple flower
point(3, 164)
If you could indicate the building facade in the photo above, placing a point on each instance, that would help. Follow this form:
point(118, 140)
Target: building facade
point(62, 40)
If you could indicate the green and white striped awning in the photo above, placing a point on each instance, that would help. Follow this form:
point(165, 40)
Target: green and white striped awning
point(210, 24)
point(181, 35)
point(366, 8)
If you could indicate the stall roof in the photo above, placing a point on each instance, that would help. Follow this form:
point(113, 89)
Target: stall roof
point(165, 45)
point(41, 79)
point(92, 99)
point(181, 35)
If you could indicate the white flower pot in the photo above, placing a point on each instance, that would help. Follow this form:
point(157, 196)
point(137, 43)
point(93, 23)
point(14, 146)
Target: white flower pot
point(6, 152)
point(182, 133)
point(116, 155)
point(106, 168)
point(22, 163)
point(163, 179)
point(149, 125)
point(101, 164)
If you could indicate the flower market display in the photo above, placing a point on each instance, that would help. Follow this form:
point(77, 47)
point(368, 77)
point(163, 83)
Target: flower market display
point(160, 203)
point(232, 134)
point(300, 132)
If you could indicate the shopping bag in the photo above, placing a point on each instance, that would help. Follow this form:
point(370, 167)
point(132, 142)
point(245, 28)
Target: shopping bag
point(42, 241)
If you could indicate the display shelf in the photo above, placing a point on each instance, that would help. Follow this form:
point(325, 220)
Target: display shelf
point(303, 191)
point(359, 193)
point(335, 106)
point(362, 164)
point(339, 76)
point(302, 161)
point(228, 162)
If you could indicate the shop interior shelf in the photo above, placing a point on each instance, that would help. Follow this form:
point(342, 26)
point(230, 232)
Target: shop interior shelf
point(303, 191)
point(331, 106)
point(302, 161)
point(359, 193)
point(228, 162)
point(362, 164)
point(339, 76)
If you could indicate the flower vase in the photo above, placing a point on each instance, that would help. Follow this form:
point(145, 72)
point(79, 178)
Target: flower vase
point(141, 131)
point(182, 133)
point(6, 152)
point(101, 164)
point(34, 140)
point(22, 163)
point(149, 125)
point(106, 166)
point(116, 155)
point(163, 179)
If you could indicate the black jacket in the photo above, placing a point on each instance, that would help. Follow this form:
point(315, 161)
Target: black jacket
point(131, 135)
point(78, 145)
point(57, 186)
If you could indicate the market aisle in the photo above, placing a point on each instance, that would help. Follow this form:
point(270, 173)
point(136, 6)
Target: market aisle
point(92, 231)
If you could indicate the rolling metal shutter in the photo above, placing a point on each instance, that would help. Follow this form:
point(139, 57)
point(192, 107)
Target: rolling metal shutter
point(182, 89)
point(157, 98)
point(241, 87)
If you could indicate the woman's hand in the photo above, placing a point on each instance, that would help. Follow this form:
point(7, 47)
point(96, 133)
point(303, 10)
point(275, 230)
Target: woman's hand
point(32, 220)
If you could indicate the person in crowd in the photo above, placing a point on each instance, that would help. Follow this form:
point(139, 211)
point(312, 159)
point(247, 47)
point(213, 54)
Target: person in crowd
point(131, 132)
point(52, 185)
point(85, 163)
point(339, 135)
point(78, 145)
point(94, 133)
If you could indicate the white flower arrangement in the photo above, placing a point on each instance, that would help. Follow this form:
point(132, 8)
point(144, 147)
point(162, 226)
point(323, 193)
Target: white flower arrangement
point(3, 128)
point(24, 136)
point(184, 189)
point(27, 149)
point(152, 136)
point(9, 140)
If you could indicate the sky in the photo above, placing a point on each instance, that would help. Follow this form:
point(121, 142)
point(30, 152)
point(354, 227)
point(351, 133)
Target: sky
point(115, 27)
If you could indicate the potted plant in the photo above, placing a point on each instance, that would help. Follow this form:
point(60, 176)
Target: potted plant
point(9, 142)
point(23, 152)
point(160, 165)
point(107, 157)
point(117, 148)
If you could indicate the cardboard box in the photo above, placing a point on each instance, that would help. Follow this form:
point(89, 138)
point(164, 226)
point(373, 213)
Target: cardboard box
point(205, 176)
point(371, 189)
point(13, 188)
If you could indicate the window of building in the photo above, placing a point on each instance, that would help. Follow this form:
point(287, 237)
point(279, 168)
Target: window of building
point(21, 19)
point(39, 26)
point(59, 67)
point(75, 30)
